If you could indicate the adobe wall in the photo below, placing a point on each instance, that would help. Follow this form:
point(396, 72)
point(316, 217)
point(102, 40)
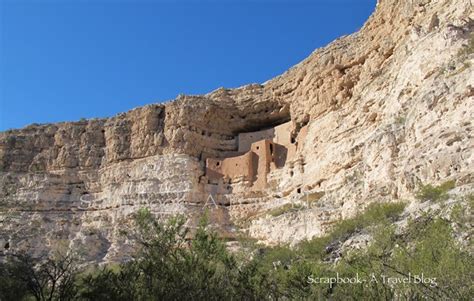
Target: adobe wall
point(240, 166)
point(234, 167)
point(245, 140)
point(280, 156)
point(285, 146)
point(280, 134)
point(264, 151)
point(283, 134)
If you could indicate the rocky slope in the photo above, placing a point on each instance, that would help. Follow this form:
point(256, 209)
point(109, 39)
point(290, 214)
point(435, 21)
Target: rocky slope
point(386, 109)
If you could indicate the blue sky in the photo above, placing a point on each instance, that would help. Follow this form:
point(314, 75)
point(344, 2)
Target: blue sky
point(69, 59)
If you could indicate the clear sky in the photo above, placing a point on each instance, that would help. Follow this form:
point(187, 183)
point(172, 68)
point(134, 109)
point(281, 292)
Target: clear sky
point(64, 60)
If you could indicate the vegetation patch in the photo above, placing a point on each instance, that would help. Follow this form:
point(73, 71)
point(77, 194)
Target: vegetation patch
point(401, 119)
point(290, 207)
point(435, 193)
point(375, 214)
point(468, 49)
point(465, 66)
point(168, 266)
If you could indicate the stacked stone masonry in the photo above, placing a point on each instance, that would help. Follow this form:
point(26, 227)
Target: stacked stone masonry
point(258, 153)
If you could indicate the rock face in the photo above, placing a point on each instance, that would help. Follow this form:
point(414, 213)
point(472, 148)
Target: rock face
point(371, 116)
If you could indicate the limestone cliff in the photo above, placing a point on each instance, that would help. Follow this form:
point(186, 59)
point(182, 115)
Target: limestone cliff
point(372, 115)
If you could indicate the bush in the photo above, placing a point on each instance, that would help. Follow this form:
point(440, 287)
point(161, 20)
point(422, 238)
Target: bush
point(377, 213)
point(168, 266)
point(435, 193)
point(52, 278)
point(469, 48)
point(427, 247)
point(290, 207)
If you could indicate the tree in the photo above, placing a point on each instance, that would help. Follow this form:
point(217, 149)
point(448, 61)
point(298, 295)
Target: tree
point(168, 266)
point(50, 278)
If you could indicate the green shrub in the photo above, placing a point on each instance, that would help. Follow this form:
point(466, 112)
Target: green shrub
point(400, 120)
point(23, 277)
point(426, 247)
point(430, 248)
point(435, 193)
point(469, 48)
point(168, 266)
point(290, 207)
point(465, 66)
point(376, 213)
point(461, 213)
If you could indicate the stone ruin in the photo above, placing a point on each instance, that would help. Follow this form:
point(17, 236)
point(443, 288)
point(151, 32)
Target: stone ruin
point(258, 153)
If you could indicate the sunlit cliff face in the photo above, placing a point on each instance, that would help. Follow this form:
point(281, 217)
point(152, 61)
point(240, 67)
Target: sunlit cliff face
point(367, 118)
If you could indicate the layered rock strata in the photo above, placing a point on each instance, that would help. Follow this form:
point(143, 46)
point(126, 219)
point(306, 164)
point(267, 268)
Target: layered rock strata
point(373, 114)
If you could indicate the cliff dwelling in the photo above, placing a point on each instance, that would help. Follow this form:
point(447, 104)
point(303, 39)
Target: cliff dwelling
point(258, 153)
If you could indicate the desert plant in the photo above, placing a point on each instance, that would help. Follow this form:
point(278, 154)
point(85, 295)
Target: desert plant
point(290, 207)
point(467, 49)
point(50, 278)
point(168, 266)
point(375, 214)
point(401, 119)
point(435, 193)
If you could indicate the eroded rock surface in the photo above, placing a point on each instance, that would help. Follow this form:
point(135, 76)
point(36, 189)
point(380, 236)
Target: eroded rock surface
point(382, 111)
